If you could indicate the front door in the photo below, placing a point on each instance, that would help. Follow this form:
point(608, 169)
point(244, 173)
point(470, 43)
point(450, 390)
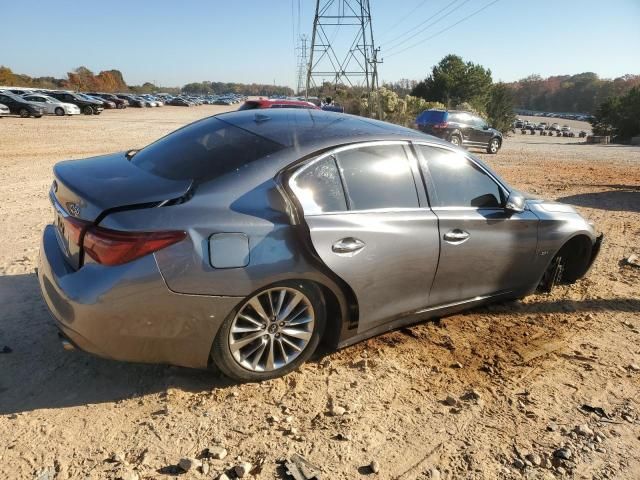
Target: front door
point(370, 225)
point(484, 249)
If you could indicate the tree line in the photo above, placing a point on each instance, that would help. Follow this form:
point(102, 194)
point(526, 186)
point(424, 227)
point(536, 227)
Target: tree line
point(580, 93)
point(84, 80)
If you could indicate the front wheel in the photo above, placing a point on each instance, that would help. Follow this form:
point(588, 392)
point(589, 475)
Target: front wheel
point(271, 333)
point(59, 111)
point(24, 113)
point(87, 110)
point(456, 140)
point(494, 146)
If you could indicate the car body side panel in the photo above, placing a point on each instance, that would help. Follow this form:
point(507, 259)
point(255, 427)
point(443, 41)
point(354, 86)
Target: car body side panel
point(392, 273)
point(497, 256)
point(558, 224)
point(126, 312)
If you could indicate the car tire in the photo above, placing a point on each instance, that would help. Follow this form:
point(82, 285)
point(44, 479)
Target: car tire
point(24, 113)
point(59, 111)
point(249, 362)
point(494, 146)
point(456, 140)
point(87, 110)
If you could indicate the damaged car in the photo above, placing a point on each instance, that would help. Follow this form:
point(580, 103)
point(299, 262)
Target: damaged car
point(244, 240)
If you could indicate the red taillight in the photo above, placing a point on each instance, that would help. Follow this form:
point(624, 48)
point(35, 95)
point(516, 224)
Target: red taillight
point(73, 228)
point(111, 247)
point(441, 125)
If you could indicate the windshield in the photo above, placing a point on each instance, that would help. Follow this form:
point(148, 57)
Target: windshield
point(432, 116)
point(203, 150)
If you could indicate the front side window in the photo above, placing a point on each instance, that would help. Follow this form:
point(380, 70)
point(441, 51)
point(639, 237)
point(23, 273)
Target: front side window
point(319, 188)
point(458, 182)
point(377, 177)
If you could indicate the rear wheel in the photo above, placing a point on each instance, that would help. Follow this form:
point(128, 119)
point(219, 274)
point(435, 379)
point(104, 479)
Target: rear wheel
point(59, 111)
point(456, 140)
point(271, 333)
point(87, 110)
point(494, 146)
point(24, 113)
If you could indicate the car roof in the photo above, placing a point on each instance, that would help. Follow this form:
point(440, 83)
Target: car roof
point(313, 129)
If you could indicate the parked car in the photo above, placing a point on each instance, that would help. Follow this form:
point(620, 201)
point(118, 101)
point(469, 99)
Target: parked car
point(180, 102)
point(460, 128)
point(133, 100)
point(519, 123)
point(119, 102)
point(276, 103)
point(554, 127)
point(244, 240)
point(4, 110)
point(19, 106)
point(86, 105)
point(53, 106)
point(108, 104)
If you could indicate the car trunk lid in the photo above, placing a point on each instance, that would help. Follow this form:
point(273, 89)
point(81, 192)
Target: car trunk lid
point(85, 191)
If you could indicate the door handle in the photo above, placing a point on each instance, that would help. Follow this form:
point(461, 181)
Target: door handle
point(456, 236)
point(347, 245)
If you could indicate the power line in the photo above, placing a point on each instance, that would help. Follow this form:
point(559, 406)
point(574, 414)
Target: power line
point(407, 32)
point(404, 17)
point(444, 29)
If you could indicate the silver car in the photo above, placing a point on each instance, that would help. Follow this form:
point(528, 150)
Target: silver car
point(245, 239)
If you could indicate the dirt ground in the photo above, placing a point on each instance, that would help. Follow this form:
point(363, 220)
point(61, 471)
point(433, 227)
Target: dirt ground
point(492, 393)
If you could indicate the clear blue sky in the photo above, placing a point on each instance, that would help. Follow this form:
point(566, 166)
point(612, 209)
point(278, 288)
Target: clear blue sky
point(173, 43)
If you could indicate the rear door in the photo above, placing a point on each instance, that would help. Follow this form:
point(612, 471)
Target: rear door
point(462, 122)
point(480, 133)
point(484, 249)
point(371, 225)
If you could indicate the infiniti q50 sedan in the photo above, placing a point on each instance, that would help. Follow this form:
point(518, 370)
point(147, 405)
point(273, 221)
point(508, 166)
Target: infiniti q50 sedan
point(245, 239)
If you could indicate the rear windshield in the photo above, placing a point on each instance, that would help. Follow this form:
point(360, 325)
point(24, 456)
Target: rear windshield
point(249, 106)
point(203, 150)
point(432, 116)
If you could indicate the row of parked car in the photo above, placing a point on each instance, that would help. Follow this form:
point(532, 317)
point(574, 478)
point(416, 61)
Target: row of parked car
point(27, 102)
point(546, 129)
point(567, 116)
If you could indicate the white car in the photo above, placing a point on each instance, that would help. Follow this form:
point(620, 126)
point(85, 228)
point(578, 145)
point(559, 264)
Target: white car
point(4, 110)
point(52, 105)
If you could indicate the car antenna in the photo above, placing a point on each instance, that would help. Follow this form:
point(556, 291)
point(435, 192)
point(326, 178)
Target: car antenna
point(261, 117)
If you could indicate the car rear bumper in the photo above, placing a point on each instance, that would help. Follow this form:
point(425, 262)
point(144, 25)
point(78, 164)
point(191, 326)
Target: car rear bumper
point(127, 312)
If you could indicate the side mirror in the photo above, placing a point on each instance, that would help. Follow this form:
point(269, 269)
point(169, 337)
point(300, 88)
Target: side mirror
point(486, 127)
point(515, 202)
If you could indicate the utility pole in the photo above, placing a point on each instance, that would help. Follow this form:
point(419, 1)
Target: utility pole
point(350, 60)
point(302, 55)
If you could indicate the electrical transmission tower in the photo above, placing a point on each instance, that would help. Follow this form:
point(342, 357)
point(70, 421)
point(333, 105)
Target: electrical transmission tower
point(302, 56)
point(350, 60)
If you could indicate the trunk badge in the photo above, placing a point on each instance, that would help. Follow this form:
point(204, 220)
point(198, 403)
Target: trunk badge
point(74, 209)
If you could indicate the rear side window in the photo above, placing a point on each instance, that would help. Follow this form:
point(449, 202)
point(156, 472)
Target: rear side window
point(319, 188)
point(203, 150)
point(432, 116)
point(458, 182)
point(377, 177)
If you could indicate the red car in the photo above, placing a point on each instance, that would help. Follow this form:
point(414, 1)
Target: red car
point(276, 103)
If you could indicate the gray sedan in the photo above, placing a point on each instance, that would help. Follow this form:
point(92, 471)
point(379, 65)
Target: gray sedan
point(245, 239)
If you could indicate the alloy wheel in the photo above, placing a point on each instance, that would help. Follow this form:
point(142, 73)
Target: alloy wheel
point(494, 146)
point(272, 329)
